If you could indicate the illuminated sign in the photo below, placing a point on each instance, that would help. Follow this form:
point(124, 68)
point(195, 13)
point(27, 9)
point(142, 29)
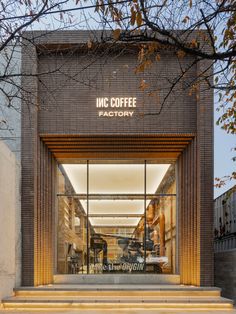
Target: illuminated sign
point(116, 106)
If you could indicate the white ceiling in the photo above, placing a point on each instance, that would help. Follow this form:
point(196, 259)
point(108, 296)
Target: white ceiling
point(115, 179)
point(116, 206)
point(114, 221)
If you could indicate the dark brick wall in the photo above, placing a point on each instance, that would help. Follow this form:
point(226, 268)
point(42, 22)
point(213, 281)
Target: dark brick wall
point(29, 162)
point(204, 163)
point(67, 96)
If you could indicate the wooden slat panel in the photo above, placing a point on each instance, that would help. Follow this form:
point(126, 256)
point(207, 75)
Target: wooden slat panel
point(117, 146)
point(72, 150)
point(121, 140)
point(107, 145)
point(119, 155)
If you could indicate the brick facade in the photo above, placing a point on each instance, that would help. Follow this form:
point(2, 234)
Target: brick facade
point(61, 103)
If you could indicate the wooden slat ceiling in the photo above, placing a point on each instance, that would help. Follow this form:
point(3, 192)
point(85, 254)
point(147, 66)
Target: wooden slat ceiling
point(116, 146)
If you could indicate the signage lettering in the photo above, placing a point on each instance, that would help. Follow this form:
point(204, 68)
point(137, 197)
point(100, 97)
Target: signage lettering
point(115, 113)
point(116, 103)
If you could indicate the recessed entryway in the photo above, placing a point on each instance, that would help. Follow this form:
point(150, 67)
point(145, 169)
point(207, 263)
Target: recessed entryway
point(115, 217)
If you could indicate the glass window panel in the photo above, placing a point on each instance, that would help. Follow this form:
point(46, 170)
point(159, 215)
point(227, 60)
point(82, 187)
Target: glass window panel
point(71, 221)
point(161, 220)
point(77, 175)
point(154, 176)
point(122, 233)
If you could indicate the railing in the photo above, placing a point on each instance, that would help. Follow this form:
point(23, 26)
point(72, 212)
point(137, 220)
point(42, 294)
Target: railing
point(225, 243)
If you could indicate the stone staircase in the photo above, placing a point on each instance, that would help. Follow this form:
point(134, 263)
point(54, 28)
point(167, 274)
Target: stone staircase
point(101, 297)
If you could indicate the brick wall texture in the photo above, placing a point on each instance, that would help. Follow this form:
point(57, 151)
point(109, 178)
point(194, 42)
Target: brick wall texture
point(61, 100)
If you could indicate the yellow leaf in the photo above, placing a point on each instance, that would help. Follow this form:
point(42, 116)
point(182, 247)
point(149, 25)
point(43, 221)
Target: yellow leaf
point(190, 3)
point(158, 57)
point(141, 54)
point(140, 68)
point(139, 19)
point(116, 33)
point(194, 43)
point(90, 44)
point(143, 85)
point(133, 17)
point(180, 53)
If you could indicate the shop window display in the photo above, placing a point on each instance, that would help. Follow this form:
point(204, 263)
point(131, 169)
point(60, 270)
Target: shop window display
point(116, 217)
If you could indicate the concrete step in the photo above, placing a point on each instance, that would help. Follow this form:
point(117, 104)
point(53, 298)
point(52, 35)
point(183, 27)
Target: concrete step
point(115, 303)
point(118, 290)
point(115, 279)
point(107, 297)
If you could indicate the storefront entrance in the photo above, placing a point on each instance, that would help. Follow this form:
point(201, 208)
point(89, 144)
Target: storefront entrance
point(116, 217)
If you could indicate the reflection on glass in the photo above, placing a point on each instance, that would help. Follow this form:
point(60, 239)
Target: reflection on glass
point(72, 229)
point(161, 224)
point(122, 229)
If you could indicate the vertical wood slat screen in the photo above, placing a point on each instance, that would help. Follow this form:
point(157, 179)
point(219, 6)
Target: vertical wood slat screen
point(189, 215)
point(44, 219)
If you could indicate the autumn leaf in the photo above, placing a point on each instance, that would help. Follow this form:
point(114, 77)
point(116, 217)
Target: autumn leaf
point(180, 53)
point(158, 57)
point(140, 68)
point(143, 85)
point(116, 33)
point(186, 19)
point(89, 44)
point(194, 43)
point(133, 17)
point(190, 3)
point(139, 19)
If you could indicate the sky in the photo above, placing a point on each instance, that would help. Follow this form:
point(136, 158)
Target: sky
point(223, 154)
